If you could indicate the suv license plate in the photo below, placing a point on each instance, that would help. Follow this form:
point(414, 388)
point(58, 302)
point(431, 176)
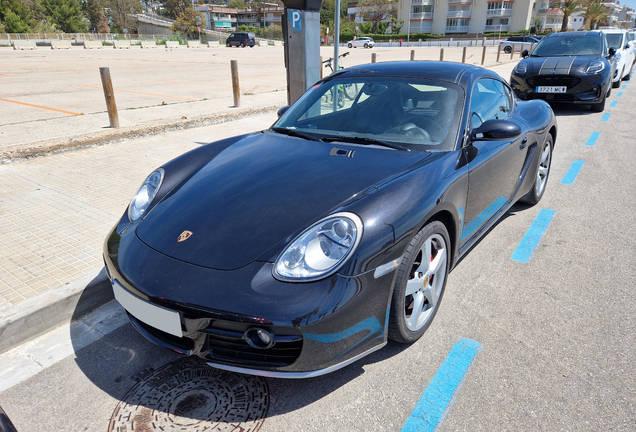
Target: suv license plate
point(552, 89)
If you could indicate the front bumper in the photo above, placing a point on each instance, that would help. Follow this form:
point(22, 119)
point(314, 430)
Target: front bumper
point(580, 90)
point(317, 327)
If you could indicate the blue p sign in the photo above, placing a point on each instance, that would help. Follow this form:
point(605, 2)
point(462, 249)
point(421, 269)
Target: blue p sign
point(294, 19)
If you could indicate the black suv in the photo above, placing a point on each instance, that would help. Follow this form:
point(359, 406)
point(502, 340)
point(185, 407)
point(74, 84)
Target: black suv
point(240, 39)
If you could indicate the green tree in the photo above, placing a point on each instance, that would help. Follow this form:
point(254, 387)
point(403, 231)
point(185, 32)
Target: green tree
point(188, 23)
point(93, 8)
point(238, 4)
point(568, 7)
point(15, 16)
point(122, 13)
point(376, 11)
point(66, 14)
point(396, 26)
point(273, 32)
point(594, 11)
point(175, 8)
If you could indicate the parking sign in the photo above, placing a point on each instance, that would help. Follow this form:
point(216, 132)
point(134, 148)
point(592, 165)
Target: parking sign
point(295, 19)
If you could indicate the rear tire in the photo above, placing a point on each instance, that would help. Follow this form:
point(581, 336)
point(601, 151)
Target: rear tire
point(350, 46)
point(227, 44)
point(420, 283)
point(507, 49)
point(542, 174)
point(242, 44)
point(366, 45)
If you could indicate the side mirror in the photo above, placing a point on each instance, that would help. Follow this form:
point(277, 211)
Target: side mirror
point(612, 51)
point(525, 53)
point(492, 130)
point(282, 111)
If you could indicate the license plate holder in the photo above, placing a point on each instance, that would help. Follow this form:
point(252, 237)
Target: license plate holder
point(551, 89)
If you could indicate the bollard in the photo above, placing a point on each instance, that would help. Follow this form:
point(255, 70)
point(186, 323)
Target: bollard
point(372, 57)
point(441, 54)
point(109, 94)
point(321, 67)
point(464, 55)
point(498, 52)
point(483, 55)
point(521, 51)
point(531, 46)
point(412, 55)
point(512, 51)
point(236, 89)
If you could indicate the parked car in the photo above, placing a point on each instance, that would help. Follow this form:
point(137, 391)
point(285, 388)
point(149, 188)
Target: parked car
point(619, 40)
point(574, 67)
point(365, 42)
point(5, 422)
point(297, 250)
point(241, 39)
point(518, 43)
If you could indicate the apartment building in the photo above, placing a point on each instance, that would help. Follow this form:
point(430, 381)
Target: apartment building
point(465, 16)
point(225, 18)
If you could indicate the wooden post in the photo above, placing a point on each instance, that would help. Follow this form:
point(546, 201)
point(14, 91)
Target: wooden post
point(464, 55)
point(109, 94)
point(498, 52)
point(531, 46)
point(441, 54)
point(372, 57)
point(512, 51)
point(236, 89)
point(483, 55)
point(321, 67)
point(412, 55)
point(521, 51)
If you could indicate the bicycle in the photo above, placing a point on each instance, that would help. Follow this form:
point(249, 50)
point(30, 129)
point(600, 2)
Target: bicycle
point(344, 90)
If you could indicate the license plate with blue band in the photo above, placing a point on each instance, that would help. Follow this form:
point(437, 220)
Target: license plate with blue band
point(551, 89)
point(166, 320)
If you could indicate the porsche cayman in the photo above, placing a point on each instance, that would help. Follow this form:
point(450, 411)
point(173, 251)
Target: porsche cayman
point(294, 251)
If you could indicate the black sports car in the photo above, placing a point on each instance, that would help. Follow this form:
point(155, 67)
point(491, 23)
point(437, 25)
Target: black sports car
point(294, 251)
point(574, 67)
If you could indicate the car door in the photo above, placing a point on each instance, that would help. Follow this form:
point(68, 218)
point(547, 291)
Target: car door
point(494, 171)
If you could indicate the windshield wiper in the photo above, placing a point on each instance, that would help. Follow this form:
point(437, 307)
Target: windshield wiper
point(365, 141)
point(294, 133)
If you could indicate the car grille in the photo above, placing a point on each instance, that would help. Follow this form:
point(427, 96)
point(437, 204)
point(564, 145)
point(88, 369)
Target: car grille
point(552, 97)
point(228, 345)
point(553, 80)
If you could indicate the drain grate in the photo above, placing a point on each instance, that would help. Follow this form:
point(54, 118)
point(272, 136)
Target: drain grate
point(189, 395)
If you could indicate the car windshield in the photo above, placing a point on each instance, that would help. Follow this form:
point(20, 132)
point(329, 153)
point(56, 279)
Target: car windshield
point(614, 40)
point(569, 46)
point(402, 113)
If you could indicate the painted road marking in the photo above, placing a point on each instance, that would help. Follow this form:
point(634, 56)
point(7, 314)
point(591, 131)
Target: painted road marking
point(624, 87)
point(41, 107)
point(619, 94)
point(442, 390)
point(613, 104)
point(533, 236)
point(570, 176)
point(145, 94)
point(605, 117)
point(592, 139)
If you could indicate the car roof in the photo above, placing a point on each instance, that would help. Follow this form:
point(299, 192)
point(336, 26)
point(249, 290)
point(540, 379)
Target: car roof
point(615, 31)
point(443, 71)
point(576, 34)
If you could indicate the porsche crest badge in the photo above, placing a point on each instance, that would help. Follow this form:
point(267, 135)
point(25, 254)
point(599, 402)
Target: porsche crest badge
point(184, 236)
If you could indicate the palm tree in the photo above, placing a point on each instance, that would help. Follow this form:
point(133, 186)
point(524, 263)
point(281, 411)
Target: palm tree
point(595, 12)
point(568, 7)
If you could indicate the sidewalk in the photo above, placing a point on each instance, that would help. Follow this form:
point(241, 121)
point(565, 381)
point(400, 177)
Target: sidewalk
point(56, 211)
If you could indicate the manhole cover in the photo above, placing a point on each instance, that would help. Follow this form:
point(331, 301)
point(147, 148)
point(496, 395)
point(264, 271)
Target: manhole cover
point(189, 395)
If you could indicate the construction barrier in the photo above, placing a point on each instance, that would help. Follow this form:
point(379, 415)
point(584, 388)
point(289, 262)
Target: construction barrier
point(93, 44)
point(121, 44)
point(148, 44)
point(194, 44)
point(24, 45)
point(60, 44)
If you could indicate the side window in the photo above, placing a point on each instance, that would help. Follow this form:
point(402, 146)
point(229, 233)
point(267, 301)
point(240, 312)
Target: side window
point(491, 99)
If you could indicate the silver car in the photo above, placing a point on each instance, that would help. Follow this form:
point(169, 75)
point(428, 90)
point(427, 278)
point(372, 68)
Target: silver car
point(365, 42)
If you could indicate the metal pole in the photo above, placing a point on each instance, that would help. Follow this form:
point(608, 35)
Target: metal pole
point(336, 36)
point(236, 89)
point(109, 94)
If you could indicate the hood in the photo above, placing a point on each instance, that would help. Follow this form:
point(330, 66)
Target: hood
point(558, 65)
point(259, 192)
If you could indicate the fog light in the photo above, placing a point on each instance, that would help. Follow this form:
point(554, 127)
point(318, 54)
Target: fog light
point(259, 338)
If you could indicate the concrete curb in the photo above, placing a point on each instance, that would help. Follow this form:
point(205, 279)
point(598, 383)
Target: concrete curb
point(40, 314)
point(43, 148)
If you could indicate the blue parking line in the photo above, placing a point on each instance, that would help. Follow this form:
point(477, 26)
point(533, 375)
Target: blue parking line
point(442, 390)
point(592, 139)
point(624, 87)
point(619, 94)
point(613, 104)
point(533, 236)
point(605, 117)
point(570, 176)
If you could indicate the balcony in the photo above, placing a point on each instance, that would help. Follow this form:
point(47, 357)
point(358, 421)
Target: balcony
point(499, 12)
point(496, 28)
point(456, 29)
point(421, 27)
point(422, 15)
point(422, 2)
point(458, 14)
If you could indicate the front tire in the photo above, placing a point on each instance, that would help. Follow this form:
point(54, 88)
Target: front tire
point(507, 49)
point(366, 45)
point(420, 283)
point(349, 45)
point(541, 175)
point(600, 107)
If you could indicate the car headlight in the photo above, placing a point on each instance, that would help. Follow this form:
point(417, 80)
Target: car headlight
point(595, 67)
point(321, 249)
point(140, 202)
point(522, 67)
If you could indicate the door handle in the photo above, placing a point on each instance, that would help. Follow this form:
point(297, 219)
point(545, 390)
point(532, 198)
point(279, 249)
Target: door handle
point(524, 143)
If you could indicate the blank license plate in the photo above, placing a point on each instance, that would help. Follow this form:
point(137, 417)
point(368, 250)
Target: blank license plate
point(552, 89)
point(166, 320)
